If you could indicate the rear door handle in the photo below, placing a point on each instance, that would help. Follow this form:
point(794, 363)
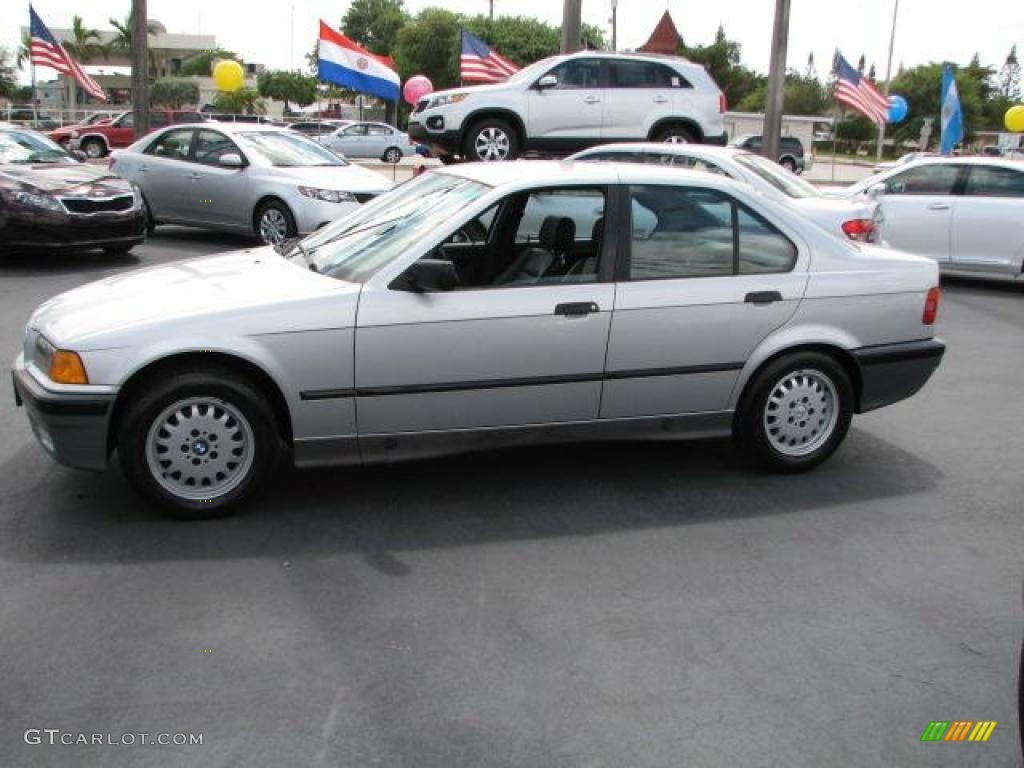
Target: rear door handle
point(143, 169)
point(938, 207)
point(195, 176)
point(660, 99)
point(763, 297)
point(577, 308)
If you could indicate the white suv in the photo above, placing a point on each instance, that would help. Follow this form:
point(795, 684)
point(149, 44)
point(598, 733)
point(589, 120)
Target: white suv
point(568, 103)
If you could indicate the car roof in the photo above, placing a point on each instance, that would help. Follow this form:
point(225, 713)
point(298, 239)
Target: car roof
point(557, 172)
point(231, 127)
point(969, 160)
point(694, 150)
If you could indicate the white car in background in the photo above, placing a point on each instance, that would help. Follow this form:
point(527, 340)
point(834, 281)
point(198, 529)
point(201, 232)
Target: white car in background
point(967, 213)
point(856, 219)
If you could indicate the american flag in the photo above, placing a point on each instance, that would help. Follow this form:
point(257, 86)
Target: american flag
point(47, 52)
point(858, 93)
point(482, 63)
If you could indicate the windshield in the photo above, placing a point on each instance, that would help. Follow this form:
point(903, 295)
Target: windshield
point(25, 147)
point(534, 70)
point(774, 174)
point(287, 149)
point(356, 246)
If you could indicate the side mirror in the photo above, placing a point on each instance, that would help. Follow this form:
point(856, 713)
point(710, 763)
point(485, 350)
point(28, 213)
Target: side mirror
point(231, 160)
point(428, 276)
point(548, 81)
point(79, 155)
point(876, 191)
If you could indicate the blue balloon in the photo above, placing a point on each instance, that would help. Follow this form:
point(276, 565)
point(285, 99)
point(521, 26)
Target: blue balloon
point(898, 108)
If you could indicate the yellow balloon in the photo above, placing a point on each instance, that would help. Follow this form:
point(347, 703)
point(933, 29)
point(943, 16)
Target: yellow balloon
point(1015, 118)
point(228, 75)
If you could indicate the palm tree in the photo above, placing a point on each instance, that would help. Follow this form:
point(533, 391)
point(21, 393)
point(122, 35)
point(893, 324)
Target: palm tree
point(85, 44)
point(124, 38)
point(24, 55)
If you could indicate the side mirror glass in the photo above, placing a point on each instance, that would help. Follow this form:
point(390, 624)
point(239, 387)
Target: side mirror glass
point(548, 81)
point(231, 160)
point(428, 276)
point(875, 191)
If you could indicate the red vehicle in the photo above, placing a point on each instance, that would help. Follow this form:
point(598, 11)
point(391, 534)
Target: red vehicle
point(99, 139)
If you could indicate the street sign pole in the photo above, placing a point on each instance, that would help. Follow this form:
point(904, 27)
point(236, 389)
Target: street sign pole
point(776, 83)
point(571, 20)
point(888, 74)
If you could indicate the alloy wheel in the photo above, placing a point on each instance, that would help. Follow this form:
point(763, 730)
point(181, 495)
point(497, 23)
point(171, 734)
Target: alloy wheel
point(273, 226)
point(675, 138)
point(93, 149)
point(801, 412)
point(200, 448)
point(492, 144)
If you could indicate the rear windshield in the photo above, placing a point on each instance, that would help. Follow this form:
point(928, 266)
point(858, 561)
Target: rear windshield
point(784, 181)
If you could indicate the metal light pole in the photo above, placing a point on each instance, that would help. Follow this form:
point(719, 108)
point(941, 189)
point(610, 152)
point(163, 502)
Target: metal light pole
point(572, 12)
point(615, 24)
point(776, 83)
point(492, 10)
point(888, 73)
point(140, 68)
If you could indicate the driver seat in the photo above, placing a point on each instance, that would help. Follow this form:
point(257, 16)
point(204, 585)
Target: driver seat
point(555, 239)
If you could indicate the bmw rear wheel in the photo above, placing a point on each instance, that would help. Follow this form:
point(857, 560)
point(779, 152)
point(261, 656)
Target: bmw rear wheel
point(795, 412)
point(675, 134)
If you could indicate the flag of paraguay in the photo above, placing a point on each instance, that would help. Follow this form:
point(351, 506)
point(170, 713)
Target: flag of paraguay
point(345, 63)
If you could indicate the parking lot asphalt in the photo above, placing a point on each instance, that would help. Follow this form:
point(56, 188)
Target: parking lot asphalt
point(602, 605)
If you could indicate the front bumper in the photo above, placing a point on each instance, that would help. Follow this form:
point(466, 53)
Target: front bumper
point(311, 214)
point(56, 230)
point(893, 372)
point(71, 427)
point(441, 142)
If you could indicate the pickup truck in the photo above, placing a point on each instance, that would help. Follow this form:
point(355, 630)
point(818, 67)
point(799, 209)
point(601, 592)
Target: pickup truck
point(99, 139)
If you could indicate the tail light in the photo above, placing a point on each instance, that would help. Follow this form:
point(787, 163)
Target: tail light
point(931, 306)
point(723, 103)
point(859, 229)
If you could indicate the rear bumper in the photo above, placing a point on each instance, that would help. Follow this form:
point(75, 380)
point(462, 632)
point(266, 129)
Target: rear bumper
point(71, 427)
point(893, 372)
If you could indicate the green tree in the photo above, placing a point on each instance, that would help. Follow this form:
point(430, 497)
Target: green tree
point(244, 101)
point(24, 55)
point(175, 94)
point(1010, 77)
point(8, 81)
point(124, 36)
point(802, 95)
point(202, 64)
point(85, 44)
point(921, 86)
point(429, 45)
point(722, 61)
point(374, 24)
point(289, 87)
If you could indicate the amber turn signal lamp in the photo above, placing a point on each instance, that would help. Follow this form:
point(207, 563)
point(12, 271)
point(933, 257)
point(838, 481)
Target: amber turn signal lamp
point(66, 368)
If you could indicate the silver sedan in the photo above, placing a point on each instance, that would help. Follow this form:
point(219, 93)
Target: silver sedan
point(269, 181)
point(484, 305)
point(370, 140)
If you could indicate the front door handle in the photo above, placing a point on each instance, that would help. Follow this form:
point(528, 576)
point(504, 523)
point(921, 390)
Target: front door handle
point(938, 207)
point(660, 99)
point(763, 297)
point(577, 308)
point(143, 169)
point(591, 99)
point(195, 176)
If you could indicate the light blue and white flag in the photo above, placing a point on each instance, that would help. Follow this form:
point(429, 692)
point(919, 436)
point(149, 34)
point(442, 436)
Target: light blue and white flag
point(952, 114)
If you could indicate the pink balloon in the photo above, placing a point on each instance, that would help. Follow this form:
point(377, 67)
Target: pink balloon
point(416, 87)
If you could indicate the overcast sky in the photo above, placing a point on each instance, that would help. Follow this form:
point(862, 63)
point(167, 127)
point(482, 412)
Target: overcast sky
point(261, 30)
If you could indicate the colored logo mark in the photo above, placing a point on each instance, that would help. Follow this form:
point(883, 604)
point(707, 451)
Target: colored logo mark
point(958, 730)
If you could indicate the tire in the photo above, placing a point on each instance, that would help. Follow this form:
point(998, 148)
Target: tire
point(795, 412)
point(490, 141)
point(213, 408)
point(392, 155)
point(675, 134)
point(273, 222)
point(94, 148)
point(150, 221)
point(448, 159)
point(789, 164)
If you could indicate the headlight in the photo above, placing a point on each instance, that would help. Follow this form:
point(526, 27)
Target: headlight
point(32, 200)
point(137, 195)
point(327, 195)
point(61, 365)
point(445, 99)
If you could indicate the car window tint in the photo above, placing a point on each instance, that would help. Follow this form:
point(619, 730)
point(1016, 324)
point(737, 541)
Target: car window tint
point(377, 130)
point(991, 181)
point(680, 232)
point(935, 179)
point(577, 73)
point(212, 145)
point(172, 144)
point(355, 130)
point(762, 248)
point(643, 74)
point(187, 117)
point(157, 119)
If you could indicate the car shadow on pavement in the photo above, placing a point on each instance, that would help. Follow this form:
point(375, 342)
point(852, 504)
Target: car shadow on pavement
point(519, 494)
point(36, 264)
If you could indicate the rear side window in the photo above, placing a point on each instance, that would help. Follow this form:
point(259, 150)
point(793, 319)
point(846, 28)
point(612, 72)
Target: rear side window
point(643, 74)
point(377, 130)
point(685, 232)
point(937, 179)
point(990, 181)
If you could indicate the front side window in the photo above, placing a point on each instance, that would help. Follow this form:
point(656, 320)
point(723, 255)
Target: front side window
point(993, 181)
point(25, 147)
point(287, 149)
point(936, 179)
point(174, 145)
point(681, 232)
point(577, 74)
